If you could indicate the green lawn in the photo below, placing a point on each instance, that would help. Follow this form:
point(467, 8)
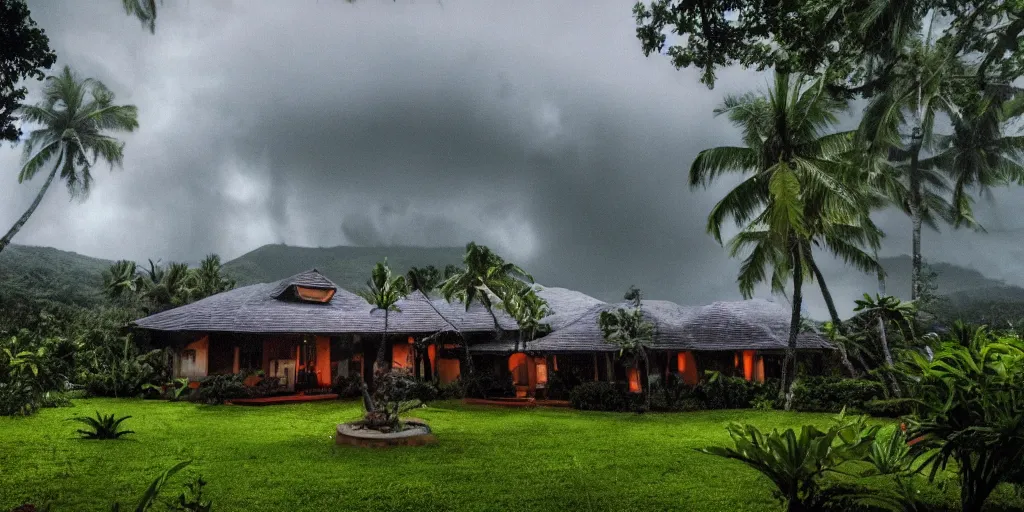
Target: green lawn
point(283, 458)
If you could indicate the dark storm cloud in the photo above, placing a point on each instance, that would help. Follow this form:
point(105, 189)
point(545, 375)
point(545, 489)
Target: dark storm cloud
point(539, 129)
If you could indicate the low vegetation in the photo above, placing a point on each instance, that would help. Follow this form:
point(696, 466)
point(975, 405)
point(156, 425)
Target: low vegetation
point(282, 458)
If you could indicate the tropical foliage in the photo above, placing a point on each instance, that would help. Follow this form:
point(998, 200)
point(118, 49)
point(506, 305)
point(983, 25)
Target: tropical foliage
point(634, 335)
point(102, 426)
point(76, 117)
point(796, 461)
point(160, 287)
point(798, 192)
point(970, 413)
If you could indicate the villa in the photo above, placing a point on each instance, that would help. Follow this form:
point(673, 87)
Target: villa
point(307, 331)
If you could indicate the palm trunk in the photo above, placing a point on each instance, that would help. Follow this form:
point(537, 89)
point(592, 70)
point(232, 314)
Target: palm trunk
point(888, 357)
point(915, 205)
point(382, 351)
point(843, 356)
point(6, 240)
point(645, 380)
point(789, 363)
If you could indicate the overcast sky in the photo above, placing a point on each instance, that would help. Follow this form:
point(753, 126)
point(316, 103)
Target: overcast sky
point(538, 128)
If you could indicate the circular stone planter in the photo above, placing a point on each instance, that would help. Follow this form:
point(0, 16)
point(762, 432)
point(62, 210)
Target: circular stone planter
point(416, 433)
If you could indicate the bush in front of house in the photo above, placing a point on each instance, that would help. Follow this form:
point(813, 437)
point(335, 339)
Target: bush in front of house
point(604, 396)
point(890, 407)
point(833, 394)
point(486, 383)
point(216, 389)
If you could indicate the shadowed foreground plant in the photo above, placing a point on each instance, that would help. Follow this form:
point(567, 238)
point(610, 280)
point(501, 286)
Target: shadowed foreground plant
point(148, 498)
point(103, 427)
point(971, 413)
point(795, 462)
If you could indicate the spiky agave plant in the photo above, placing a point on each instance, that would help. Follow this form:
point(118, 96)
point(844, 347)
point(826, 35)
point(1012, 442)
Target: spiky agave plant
point(102, 426)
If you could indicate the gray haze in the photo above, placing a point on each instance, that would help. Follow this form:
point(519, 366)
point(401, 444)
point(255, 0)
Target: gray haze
point(538, 128)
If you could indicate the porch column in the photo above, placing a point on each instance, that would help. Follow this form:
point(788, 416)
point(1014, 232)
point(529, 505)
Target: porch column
point(610, 366)
point(323, 361)
point(237, 362)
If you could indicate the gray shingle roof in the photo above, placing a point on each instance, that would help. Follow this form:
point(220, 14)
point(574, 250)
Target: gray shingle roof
point(751, 325)
point(740, 325)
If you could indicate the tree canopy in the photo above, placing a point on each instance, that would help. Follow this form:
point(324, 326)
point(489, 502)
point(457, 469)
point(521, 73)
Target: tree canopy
point(855, 44)
point(24, 53)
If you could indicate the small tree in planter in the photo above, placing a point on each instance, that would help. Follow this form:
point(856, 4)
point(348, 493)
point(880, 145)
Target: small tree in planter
point(390, 388)
point(633, 335)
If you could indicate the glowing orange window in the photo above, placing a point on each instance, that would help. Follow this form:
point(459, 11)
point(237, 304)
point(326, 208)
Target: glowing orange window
point(633, 375)
point(314, 294)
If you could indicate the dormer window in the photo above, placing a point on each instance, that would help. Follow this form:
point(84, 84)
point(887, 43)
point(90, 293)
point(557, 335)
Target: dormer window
point(309, 286)
point(314, 294)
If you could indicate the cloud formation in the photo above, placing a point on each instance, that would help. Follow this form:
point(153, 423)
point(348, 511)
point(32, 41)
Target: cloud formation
point(539, 129)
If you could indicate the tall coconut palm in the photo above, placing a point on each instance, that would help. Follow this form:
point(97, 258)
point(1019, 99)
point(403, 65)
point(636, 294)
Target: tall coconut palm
point(798, 191)
point(899, 126)
point(76, 116)
point(383, 291)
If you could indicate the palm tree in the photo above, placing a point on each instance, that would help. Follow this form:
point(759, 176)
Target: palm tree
point(208, 278)
point(800, 192)
point(529, 310)
point(888, 310)
point(486, 279)
point(978, 155)
point(144, 11)
point(383, 291)
point(898, 127)
point(122, 280)
point(633, 335)
point(425, 280)
point(76, 115)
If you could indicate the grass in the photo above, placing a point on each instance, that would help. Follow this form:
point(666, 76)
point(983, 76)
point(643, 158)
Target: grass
point(283, 458)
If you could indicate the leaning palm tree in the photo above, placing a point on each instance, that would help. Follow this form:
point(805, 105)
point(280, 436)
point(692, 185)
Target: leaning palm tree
point(486, 279)
point(383, 291)
point(76, 116)
point(529, 310)
point(979, 155)
point(798, 191)
point(888, 310)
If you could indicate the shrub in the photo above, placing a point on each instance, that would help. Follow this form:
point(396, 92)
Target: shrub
point(723, 392)
point(348, 387)
point(890, 408)
point(796, 461)
point(119, 370)
point(600, 396)
point(833, 394)
point(969, 414)
point(424, 391)
point(217, 389)
point(56, 399)
point(102, 427)
point(486, 383)
point(562, 382)
point(451, 391)
point(30, 368)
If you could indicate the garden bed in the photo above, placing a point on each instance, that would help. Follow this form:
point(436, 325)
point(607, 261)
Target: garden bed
point(415, 433)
